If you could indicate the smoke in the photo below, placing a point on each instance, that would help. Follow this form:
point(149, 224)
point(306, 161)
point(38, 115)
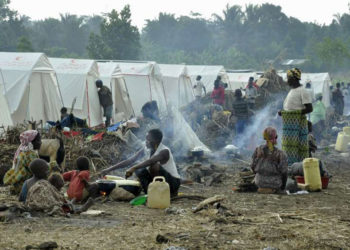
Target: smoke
point(268, 116)
point(182, 137)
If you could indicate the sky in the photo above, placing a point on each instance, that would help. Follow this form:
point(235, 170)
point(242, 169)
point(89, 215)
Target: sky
point(320, 11)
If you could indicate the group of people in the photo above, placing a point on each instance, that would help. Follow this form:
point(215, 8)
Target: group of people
point(106, 101)
point(340, 95)
point(38, 184)
point(271, 164)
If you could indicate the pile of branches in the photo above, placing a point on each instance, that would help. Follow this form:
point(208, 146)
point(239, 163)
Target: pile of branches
point(12, 134)
point(104, 153)
point(270, 84)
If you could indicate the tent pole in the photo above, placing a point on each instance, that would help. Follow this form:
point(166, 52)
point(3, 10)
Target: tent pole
point(87, 99)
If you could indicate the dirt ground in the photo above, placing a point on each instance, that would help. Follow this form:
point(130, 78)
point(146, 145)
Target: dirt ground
point(253, 221)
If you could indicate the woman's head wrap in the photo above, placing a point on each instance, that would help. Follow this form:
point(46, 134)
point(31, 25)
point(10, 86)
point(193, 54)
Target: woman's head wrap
point(294, 73)
point(26, 139)
point(270, 135)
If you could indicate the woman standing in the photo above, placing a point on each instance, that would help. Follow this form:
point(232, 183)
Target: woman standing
point(25, 154)
point(297, 104)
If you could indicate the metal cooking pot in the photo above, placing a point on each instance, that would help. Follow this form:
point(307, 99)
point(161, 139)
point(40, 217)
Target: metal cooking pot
point(197, 153)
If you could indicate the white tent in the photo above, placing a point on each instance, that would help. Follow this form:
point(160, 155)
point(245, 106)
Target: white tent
point(240, 79)
point(76, 79)
point(177, 84)
point(144, 82)
point(30, 87)
point(320, 83)
point(5, 115)
point(209, 74)
point(111, 76)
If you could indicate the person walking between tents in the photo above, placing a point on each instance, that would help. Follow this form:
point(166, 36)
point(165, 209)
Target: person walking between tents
point(297, 104)
point(218, 94)
point(251, 93)
point(241, 111)
point(199, 88)
point(338, 100)
point(106, 101)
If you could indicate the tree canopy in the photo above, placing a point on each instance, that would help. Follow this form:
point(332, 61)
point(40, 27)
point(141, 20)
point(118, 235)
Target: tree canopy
point(240, 37)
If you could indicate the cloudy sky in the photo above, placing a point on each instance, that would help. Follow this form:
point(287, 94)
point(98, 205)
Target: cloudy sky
point(320, 11)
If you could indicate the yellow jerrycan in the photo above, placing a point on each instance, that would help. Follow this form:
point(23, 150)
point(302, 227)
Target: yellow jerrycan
point(312, 174)
point(342, 142)
point(346, 130)
point(158, 193)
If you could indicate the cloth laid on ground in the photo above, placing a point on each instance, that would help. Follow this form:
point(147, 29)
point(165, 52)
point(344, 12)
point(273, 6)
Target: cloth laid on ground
point(294, 139)
point(114, 127)
point(70, 134)
point(98, 137)
point(87, 132)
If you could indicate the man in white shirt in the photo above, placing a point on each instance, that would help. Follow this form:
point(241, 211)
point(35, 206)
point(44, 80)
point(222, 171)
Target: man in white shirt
point(160, 163)
point(199, 88)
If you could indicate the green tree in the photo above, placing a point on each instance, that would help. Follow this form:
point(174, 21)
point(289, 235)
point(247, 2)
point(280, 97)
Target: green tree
point(332, 52)
point(11, 27)
point(24, 45)
point(118, 39)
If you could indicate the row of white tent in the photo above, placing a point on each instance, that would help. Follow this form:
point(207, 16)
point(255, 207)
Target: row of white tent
point(320, 82)
point(33, 86)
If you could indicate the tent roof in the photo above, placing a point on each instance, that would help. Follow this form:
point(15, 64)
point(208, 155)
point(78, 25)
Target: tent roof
point(17, 69)
point(24, 62)
point(314, 77)
point(241, 76)
point(72, 77)
point(72, 66)
point(139, 68)
point(173, 70)
point(108, 69)
point(206, 69)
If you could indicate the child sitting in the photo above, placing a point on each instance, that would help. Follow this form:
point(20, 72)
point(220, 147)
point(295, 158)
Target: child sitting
point(40, 170)
point(57, 181)
point(78, 180)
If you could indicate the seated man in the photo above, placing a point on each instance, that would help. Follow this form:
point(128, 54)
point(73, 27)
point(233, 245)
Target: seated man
point(270, 164)
point(160, 163)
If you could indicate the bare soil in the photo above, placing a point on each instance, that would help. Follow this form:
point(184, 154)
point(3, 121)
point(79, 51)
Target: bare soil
point(253, 221)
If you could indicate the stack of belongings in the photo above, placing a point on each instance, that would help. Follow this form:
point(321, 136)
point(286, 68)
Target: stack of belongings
point(270, 83)
point(246, 183)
